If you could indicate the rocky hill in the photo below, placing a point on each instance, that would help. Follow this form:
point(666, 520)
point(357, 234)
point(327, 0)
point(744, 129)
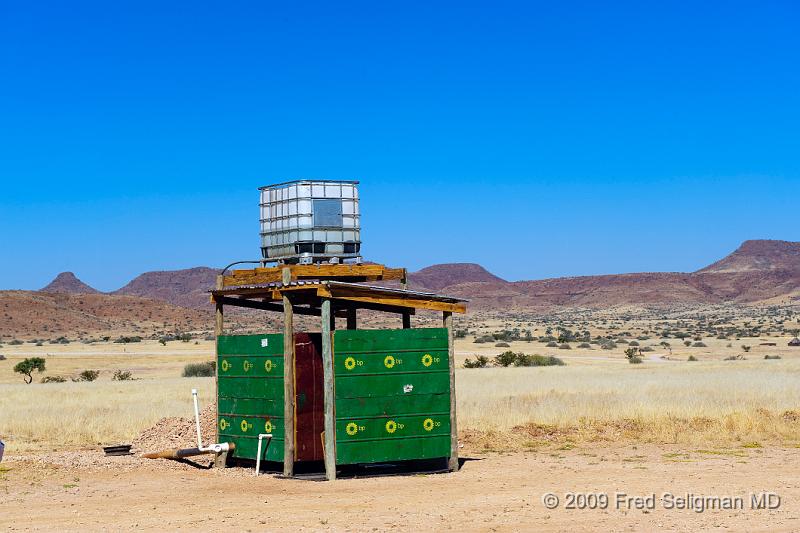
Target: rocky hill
point(187, 288)
point(68, 283)
point(48, 315)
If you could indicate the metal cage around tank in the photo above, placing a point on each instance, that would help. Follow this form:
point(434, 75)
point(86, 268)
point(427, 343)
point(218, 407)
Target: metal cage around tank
point(310, 221)
point(347, 396)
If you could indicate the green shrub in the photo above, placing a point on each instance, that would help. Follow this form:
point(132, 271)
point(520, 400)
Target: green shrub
point(552, 344)
point(481, 361)
point(564, 346)
point(505, 358)
point(699, 344)
point(200, 370)
point(635, 360)
point(692, 358)
point(483, 338)
point(126, 340)
point(87, 375)
point(122, 375)
point(632, 343)
point(585, 345)
point(537, 360)
point(772, 357)
point(502, 345)
point(53, 379)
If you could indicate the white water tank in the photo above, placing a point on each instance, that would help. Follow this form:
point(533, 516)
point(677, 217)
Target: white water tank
point(308, 221)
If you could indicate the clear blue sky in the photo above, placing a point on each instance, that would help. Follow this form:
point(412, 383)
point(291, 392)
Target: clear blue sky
point(540, 140)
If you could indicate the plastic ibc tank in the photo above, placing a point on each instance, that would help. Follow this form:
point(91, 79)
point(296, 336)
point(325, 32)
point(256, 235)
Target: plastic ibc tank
point(310, 221)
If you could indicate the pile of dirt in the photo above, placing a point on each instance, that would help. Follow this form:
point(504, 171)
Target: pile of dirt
point(176, 432)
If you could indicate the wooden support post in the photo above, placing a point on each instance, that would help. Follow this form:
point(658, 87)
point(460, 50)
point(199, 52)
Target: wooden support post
point(327, 370)
point(404, 280)
point(219, 322)
point(447, 322)
point(352, 318)
point(288, 381)
point(406, 320)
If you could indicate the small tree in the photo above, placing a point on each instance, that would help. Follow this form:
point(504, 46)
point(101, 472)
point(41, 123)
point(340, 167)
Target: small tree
point(28, 366)
point(745, 348)
point(505, 358)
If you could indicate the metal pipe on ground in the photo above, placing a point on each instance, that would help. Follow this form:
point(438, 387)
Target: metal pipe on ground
point(179, 453)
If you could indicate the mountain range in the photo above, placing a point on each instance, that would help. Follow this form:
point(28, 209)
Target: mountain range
point(759, 271)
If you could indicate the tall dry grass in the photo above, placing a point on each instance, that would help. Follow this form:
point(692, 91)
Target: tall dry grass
point(53, 416)
point(699, 403)
point(720, 402)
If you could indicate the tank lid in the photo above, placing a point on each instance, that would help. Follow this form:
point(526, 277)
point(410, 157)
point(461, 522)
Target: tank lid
point(299, 182)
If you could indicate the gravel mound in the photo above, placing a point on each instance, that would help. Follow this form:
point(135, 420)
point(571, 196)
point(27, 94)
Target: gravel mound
point(176, 432)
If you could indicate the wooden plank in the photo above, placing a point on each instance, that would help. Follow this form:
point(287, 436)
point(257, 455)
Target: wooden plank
point(416, 303)
point(320, 271)
point(447, 322)
point(327, 370)
point(288, 384)
point(219, 322)
point(265, 306)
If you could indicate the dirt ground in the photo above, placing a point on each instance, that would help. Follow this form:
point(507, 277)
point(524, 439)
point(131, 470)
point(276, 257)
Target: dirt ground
point(492, 492)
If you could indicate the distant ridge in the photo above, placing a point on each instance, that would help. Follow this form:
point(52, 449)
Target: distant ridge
point(759, 256)
point(758, 271)
point(68, 283)
point(188, 287)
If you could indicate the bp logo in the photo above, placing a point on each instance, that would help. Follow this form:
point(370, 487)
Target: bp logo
point(389, 361)
point(351, 428)
point(225, 365)
point(247, 365)
point(350, 363)
point(268, 426)
point(223, 424)
point(427, 425)
point(427, 360)
point(268, 365)
point(245, 426)
point(391, 426)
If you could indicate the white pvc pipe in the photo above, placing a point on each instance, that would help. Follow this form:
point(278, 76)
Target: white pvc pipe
point(217, 447)
point(258, 454)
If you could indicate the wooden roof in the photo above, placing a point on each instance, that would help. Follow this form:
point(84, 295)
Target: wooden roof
point(308, 295)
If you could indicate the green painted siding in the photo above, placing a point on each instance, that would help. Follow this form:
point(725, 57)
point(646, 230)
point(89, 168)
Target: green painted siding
point(250, 393)
point(392, 395)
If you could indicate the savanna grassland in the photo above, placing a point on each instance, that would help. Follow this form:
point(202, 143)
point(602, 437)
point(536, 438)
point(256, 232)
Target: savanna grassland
point(727, 394)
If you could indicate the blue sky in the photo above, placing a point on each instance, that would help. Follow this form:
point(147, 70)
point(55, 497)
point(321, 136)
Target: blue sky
point(538, 139)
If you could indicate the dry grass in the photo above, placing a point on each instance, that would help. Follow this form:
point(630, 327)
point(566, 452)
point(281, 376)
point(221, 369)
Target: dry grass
point(46, 417)
point(719, 402)
point(597, 398)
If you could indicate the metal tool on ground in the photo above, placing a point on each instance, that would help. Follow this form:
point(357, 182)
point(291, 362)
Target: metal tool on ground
point(118, 449)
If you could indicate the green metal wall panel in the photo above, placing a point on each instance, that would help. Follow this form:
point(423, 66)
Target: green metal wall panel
point(268, 388)
point(392, 390)
point(269, 344)
point(251, 406)
point(248, 426)
point(363, 340)
point(372, 451)
point(395, 427)
point(250, 366)
point(246, 448)
point(250, 393)
point(414, 404)
point(349, 362)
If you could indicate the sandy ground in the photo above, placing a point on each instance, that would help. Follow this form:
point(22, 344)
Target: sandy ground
point(491, 493)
